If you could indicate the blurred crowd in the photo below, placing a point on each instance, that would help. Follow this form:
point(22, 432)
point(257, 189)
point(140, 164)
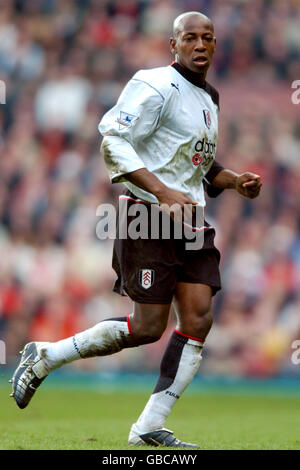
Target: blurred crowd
point(64, 63)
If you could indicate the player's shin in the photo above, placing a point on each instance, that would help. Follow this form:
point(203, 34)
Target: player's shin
point(106, 337)
point(179, 365)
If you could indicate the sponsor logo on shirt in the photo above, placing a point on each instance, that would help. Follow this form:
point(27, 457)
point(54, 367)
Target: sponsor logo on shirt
point(197, 159)
point(205, 146)
point(126, 119)
point(205, 152)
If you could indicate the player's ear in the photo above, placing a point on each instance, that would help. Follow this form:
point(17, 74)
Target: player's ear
point(173, 46)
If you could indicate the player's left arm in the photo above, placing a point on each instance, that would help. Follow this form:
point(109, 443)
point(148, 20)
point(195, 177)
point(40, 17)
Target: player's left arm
point(211, 190)
point(248, 184)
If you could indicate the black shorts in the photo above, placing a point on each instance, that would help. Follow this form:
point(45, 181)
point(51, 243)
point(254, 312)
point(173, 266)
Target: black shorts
point(148, 269)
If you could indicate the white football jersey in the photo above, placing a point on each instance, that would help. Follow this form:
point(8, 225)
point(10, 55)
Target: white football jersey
point(167, 124)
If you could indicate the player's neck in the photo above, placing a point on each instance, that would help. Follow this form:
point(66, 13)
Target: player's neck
point(195, 78)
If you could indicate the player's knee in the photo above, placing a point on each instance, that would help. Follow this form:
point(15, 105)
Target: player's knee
point(202, 323)
point(197, 322)
point(200, 312)
point(149, 334)
point(148, 323)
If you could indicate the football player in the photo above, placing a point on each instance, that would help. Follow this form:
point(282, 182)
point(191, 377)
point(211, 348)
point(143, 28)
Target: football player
point(160, 139)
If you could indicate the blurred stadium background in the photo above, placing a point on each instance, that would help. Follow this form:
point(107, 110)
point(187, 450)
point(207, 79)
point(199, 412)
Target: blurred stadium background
point(64, 64)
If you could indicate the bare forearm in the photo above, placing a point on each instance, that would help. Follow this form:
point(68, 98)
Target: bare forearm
point(225, 179)
point(248, 184)
point(146, 180)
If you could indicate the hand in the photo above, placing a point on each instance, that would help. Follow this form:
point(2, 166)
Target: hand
point(248, 184)
point(176, 204)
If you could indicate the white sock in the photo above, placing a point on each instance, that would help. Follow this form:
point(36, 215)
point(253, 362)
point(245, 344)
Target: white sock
point(180, 363)
point(106, 337)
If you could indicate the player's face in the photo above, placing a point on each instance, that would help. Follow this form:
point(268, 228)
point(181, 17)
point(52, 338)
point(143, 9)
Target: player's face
point(195, 44)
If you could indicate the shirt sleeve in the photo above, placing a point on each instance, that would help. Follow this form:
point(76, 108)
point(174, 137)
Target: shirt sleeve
point(209, 177)
point(134, 117)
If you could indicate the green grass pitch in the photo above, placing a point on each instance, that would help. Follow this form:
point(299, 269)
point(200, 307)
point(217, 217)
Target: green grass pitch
point(60, 418)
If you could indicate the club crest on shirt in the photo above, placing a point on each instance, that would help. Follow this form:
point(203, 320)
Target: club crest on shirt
point(207, 118)
point(126, 119)
point(146, 278)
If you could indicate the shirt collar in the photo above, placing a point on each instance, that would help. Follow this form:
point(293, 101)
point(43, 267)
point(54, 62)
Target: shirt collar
point(192, 77)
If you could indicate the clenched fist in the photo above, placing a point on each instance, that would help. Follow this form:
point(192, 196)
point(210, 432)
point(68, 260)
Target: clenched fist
point(248, 184)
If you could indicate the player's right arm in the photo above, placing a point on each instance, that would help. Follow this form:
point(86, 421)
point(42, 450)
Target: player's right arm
point(134, 118)
point(149, 182)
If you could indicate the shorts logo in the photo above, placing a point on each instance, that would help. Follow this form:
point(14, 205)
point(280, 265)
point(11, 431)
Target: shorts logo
point(126, 119)
point(146, 278)
point(207, 118)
